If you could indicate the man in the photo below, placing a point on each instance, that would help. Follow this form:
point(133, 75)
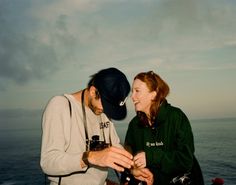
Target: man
point(79, 140)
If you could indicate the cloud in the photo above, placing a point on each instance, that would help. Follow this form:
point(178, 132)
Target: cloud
point(49, 11)
point(22, 56)
point(170, 30)
point(28, 51)
point(38, 39)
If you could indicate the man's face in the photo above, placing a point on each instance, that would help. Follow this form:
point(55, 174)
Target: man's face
point(95, 103)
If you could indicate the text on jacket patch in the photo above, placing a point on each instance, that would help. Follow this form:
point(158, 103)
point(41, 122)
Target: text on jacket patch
point(151, 144)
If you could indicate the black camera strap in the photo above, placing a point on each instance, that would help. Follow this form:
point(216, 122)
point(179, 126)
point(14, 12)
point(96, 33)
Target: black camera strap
point(85, 124)
point(85, 121)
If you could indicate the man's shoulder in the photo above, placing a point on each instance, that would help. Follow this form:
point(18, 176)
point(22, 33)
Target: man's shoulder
point(57, 100)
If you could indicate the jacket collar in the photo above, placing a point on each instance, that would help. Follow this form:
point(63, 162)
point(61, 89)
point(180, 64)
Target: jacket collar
point(161, 115)
point(163, 111)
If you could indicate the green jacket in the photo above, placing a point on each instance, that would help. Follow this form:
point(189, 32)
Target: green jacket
point(169, 146)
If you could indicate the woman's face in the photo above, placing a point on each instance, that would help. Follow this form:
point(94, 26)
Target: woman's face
point(141, 96)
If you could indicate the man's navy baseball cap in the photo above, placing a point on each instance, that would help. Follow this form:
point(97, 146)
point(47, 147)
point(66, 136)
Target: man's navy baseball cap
point(113, 88)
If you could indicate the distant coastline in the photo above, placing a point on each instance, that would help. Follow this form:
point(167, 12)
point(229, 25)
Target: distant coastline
point(213, 119)
point(18, 119)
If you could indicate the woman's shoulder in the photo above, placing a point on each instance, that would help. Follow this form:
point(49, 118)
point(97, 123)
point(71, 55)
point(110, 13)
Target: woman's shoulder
point(134, 120)
point(174, 112)
point(174, 109)
point(177, 114)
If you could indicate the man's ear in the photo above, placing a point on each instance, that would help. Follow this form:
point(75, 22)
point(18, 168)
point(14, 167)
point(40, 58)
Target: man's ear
point(92, 91)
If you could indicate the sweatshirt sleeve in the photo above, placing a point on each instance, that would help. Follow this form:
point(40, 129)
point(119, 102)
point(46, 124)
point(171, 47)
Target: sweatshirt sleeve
point(55, 123)
point(115, 140)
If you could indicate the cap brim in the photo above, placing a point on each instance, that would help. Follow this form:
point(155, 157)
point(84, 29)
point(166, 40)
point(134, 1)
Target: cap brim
point(112, 111)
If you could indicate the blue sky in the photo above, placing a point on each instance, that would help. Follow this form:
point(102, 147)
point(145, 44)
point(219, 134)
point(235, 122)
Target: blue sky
point(52, 47)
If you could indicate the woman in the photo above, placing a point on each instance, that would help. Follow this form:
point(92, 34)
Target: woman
point(160, 135)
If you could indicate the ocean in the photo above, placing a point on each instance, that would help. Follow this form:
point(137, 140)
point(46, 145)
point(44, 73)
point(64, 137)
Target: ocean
point(215, 149)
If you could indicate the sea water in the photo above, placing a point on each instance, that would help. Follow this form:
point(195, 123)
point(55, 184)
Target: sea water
point(215, 149)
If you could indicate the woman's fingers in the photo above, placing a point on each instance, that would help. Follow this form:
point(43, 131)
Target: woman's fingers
point(140, 160)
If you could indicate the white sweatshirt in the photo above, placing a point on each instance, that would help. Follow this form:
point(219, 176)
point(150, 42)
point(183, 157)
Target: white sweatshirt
point(63, 141)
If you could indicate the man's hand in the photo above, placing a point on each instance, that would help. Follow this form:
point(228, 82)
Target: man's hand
point(143, 174)
point(112, 157)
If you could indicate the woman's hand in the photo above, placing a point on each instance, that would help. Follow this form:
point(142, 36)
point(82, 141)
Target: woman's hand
point(143, 174)
point(140, 160)
point(139, 171)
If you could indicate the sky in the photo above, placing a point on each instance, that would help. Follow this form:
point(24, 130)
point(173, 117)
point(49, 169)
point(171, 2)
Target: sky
point(52, 47)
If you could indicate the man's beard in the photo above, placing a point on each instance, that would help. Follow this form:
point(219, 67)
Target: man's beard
point(92, 107)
